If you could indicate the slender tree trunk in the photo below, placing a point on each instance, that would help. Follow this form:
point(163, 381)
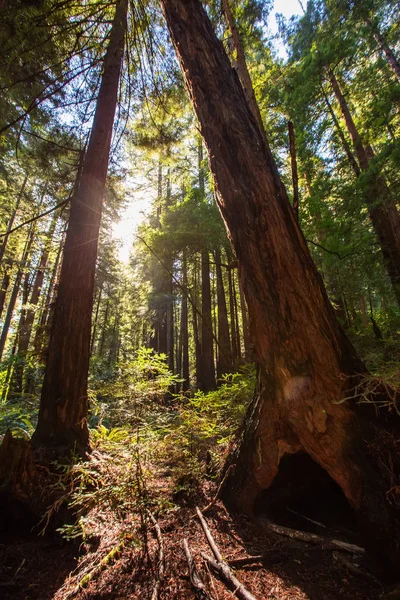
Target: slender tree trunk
point(64, 403)
point(236, 312)
point(387, 51)
point(103, 330)
point(307, 366)
point(4, 286)
point(170, 323)
point(235, 350)
point(363, 310)
point(207, 340)
point(196, 332)
point(16, 288)
point(224, 360)
point(28, 316)
point(295, 177)
point(248, 354)
point(3, 246)
point(96, 320)
point(241, 67)
point(185, 327)
point(382, 210)
point(42, 330)
point(350, 156)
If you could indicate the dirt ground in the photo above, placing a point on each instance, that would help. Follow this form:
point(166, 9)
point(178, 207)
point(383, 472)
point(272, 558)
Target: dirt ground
point(123, 563)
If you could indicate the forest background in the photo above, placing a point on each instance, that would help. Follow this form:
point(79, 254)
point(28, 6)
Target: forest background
point(171, 353)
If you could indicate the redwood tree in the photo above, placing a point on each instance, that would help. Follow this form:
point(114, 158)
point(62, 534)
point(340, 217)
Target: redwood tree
point(307, 366)
point(64, 402)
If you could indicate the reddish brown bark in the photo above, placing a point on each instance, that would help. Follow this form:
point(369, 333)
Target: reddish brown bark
point(306, 364)
point(64, 403)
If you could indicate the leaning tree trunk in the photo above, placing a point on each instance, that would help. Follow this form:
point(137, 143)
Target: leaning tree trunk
point(385, 217)
point(64, 402)
point(307, 366)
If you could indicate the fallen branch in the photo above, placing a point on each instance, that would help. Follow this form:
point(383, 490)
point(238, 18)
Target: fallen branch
point(226, 574)
point(326, 543)
point(195, 579)
point(209, 537)
point(217, 493)
point(161, 562)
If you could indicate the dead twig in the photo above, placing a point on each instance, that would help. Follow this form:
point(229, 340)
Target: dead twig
point(217, 493)
point(161, 560)
point(209, 537)
point(220, 566)
point(326, 543)
point(227, 576)
point(195, 579)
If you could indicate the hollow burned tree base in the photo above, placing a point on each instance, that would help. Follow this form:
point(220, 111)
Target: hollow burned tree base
point(337, 463)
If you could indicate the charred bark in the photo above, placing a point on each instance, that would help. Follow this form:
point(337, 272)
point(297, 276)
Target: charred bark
point(307, 366)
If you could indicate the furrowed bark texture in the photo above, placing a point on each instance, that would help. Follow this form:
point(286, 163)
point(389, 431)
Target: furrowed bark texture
point(64, 402)
point(306, 364)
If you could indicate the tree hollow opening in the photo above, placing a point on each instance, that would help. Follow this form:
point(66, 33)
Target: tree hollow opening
point(303, 496)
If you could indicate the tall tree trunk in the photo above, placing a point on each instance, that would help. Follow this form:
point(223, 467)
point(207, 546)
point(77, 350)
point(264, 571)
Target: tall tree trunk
point(185, 326)
point(207, 340)
point(382, 210)
point(235, 350)
point(241, 67)
point(64, 402)
point(196, 332)
point(307, 366)
point(28, 315)
point(350, 156)
point(42, 330)
point(4, 286)
point(224, 360)
point(295, 177)
point(236, 313)
point(387, 51)
point(248, 354)
point(96, 320)
point(103, 330)
point(3, 246)
point(16, 288)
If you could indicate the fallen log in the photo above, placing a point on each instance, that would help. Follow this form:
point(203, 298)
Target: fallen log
point(326, 543)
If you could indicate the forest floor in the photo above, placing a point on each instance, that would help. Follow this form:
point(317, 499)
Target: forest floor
point(152, 463)
point(120, 560)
